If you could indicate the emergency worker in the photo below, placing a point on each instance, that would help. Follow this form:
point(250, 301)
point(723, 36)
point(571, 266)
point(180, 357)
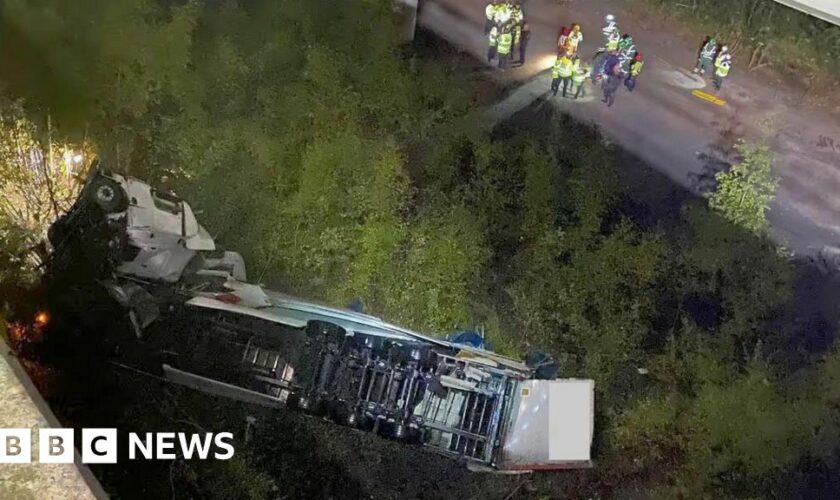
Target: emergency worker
point(706, 56)
point(562, 72)
point(504, 47)
point(723, 63)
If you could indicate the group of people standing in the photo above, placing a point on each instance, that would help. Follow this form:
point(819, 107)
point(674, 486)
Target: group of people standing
point(717, 55)
point(506, 30)
point(619, 61)
point(568, 70)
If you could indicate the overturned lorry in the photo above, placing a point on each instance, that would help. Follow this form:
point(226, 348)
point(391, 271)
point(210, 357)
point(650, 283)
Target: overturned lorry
point(202, 325)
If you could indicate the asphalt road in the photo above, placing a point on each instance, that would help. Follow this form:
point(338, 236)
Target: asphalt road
point(662, 122)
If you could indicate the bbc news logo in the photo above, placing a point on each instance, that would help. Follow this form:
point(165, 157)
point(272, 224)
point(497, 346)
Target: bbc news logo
point(99, 446)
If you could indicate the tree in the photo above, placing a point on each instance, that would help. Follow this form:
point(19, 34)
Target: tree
point(744, 192)
point(39, 181)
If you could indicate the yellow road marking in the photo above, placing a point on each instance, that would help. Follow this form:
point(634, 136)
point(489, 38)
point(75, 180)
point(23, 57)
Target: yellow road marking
point(708, 97)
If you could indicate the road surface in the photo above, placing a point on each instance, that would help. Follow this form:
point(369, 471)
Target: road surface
point(683, 136)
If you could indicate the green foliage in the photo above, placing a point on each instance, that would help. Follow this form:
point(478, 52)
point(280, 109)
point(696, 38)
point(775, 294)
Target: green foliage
point(791, 38)
point(647, 438)
point(744, 192)
point(234, 478)
point(430, 286)
point(39, 180)
point(745, 428)
point(301, 132)
point(95, 64)
point(743, 273)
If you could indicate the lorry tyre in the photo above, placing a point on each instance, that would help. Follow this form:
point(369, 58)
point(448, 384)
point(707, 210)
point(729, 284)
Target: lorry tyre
point(108, 195)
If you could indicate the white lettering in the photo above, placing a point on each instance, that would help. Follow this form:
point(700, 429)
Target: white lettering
point(195, 444)
point(146, 447)
point(165, 442)
point(219, 440)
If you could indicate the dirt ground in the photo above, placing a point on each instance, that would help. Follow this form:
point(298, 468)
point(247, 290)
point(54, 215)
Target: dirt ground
point(666, 124)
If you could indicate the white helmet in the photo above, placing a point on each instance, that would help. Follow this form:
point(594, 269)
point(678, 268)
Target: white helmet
point(609, 18)
point(724, 49)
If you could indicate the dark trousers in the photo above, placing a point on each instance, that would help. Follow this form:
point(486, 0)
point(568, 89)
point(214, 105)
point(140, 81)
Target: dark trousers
point(491, 53)
point(522, 47)
point(718, 81)
point(503, 60)
point(610, 86)
point(555, 85)
point(630, 83)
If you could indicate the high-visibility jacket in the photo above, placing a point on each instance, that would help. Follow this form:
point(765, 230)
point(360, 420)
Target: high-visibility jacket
point(636, 68)
point(490, 11)
point(580, 75)
point(505, 41)
point(517, 34)
point(612, 40)
point(723, 64)
point(503, 14)
point(708, 50)
point(493, 37)
point(563, 68)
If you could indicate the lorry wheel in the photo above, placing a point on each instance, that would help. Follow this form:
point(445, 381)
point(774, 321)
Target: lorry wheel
point(108, 195)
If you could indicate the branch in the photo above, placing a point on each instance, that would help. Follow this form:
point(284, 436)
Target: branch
point(49, 163)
